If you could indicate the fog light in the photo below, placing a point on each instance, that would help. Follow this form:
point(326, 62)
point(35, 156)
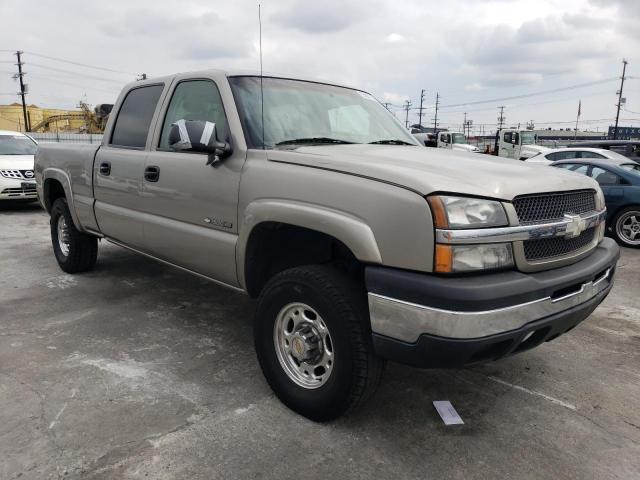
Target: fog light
point(465, 258)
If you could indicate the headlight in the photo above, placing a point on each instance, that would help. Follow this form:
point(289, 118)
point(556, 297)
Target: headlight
point(461, 212)
point(450, 213)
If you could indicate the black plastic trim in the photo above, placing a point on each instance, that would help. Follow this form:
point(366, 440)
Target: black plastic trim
point(490, 290)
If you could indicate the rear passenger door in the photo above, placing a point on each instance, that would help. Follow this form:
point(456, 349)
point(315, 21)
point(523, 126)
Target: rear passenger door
point(119, 166)
point(191, 207)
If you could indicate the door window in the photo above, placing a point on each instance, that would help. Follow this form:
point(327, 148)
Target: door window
point(604, 177)
point(135, 115)
point(508, 137)
point(194, 100)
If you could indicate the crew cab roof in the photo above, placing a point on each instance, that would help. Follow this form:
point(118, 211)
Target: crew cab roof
point(234, 73)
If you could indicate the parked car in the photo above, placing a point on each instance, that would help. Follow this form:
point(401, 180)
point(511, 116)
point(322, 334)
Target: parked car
point(620, 183)
point(360, 244)
point(518, 144)
point(558, 154)
point(17, 179)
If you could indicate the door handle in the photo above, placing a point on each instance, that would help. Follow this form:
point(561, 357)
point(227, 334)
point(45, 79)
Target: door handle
point(152, 173)
point(105, 168)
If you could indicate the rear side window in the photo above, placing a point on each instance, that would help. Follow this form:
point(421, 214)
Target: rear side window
point(134, 118)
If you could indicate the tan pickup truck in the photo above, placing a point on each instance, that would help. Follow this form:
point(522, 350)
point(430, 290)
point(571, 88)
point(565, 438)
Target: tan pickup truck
point(360, 244)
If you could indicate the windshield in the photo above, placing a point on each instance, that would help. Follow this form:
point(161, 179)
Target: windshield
point(459, 138)
point(528, 138)
point(17, 145)
point(312, 113)
point(614, 155)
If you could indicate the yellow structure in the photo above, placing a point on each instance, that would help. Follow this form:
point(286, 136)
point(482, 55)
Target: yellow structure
point(11, 118)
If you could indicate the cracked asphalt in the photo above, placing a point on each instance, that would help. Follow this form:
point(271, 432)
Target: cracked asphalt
point(136, 370)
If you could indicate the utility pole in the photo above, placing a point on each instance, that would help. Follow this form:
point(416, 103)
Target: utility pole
point(501, 117)
point(420, 114)
point(435, 119)
point(464, 125)
point(23, 90)
point(575, 135)
point(407, 106)
point(386, 105)
point(619, 104)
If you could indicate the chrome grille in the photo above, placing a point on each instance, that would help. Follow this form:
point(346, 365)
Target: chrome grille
point(11, 173)
point(556, 246)
point(18, 192)
point(546, 207)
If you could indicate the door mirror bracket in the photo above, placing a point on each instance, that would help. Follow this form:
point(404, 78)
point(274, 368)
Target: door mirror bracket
point(198, 136)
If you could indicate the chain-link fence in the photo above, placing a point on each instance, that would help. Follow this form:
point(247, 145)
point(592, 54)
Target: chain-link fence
point(66, 137)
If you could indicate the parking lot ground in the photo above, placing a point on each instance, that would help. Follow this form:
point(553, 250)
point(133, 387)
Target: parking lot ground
point(137, 370)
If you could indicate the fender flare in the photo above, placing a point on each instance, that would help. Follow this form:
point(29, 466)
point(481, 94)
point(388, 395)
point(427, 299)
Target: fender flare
point(52, 173)
point(345, 227)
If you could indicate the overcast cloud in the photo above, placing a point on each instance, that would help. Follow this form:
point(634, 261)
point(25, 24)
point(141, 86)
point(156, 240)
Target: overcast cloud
point(467, 50)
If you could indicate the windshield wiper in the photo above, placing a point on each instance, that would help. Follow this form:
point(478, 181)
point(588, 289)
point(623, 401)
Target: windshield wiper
point(390, 142)
point(297, 141)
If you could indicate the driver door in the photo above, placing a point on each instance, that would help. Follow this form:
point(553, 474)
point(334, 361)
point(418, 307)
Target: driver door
point(192, 207)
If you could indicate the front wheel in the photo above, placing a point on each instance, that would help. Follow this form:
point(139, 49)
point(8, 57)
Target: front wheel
point(314, 344)
point(626, 226)
point(75, 251)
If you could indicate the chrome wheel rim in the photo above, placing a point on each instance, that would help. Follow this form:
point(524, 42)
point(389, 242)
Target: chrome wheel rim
point(63, 236)
point(303, 345)
point(628, 227)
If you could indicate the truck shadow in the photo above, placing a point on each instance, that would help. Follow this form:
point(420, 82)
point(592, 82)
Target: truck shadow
point(187, 306)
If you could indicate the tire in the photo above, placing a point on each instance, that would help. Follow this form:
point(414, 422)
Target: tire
point(353, 370)
point(625, 226)
point(80, 251)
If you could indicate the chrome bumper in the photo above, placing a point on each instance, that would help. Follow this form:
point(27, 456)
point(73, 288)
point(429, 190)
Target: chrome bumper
point(406, 321)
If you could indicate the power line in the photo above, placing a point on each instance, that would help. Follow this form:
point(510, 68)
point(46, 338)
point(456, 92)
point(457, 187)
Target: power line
point(71, 62)
point(61, 70)
point(534, 94)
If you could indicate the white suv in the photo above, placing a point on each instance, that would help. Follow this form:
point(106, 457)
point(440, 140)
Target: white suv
point(17, 179)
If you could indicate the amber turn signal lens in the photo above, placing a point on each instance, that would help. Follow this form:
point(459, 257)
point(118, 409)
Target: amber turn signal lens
point(444, 258)
point(438, 211)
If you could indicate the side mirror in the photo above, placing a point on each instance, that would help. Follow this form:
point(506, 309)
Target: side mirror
point(198, 136)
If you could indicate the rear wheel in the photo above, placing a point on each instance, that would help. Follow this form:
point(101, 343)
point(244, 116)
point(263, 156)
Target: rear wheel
point(626, 226)
point(314, 344)
point(75, 251)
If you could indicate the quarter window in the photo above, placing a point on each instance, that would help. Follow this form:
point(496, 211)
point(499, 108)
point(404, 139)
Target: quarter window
point(194, 100)
point(135, 115)
point(588, 154)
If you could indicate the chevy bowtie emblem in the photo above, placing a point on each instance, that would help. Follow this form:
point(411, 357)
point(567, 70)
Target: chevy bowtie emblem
point(575, 225)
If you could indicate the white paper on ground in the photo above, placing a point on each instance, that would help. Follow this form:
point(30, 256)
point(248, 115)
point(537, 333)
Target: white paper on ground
point(447, 412)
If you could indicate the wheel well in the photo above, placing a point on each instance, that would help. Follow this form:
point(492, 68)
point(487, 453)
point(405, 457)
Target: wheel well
point(273, 247)
point(52, 190)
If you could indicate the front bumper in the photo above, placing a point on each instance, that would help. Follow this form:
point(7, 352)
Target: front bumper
point(17, 189)
point(432, 321)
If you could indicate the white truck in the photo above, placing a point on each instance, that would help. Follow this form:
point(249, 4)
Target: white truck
point(455, 141)
point(518, 144)
point(445, 139)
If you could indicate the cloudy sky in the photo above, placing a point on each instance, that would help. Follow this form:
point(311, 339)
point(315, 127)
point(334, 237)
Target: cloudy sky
point(476, 54)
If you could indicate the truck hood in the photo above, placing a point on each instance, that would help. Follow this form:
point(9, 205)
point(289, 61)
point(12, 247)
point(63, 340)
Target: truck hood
point(16, 162)
point(465, 147)
point(429, 170)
